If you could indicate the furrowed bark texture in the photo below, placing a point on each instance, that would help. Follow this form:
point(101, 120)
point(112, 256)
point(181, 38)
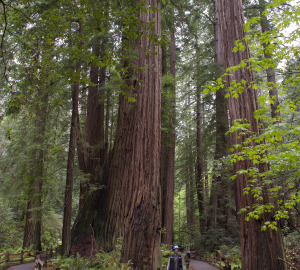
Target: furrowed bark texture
point(134, 180)
point(91, 156)
point(130, 205)
point(168, 160)
point(220, 190)
point(94, 153)
point(261, 250)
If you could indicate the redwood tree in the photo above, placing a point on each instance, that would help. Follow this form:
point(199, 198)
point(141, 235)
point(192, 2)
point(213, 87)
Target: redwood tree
point(130, 205)
point(260, 249)
point(168, 156)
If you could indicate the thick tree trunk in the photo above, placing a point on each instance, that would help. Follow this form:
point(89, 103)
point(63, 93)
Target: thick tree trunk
point(66, 233)
point(261, 250)
point(219, 194)
point(271, 78)
point(136, 199)
point(168, 160)
point(94, 152)
point(130, 206)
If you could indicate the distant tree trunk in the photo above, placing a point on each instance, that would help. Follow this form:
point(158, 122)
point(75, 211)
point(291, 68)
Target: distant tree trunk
point(199, 147)
point(33, 224)
point(273, 93)
point(219, 191)
point(66, 233)
point(260, 249)
point(168, 159)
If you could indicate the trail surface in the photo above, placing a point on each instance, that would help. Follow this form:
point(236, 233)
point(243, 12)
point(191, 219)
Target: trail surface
point(198, 265)
point(195, 265)
point(27, 266)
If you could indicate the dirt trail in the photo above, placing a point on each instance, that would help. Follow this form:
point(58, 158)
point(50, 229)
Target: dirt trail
point(27, 266)
point(198, 265)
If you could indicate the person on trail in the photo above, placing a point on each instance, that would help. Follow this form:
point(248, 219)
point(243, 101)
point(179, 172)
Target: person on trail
point(187, 259)
point(175, 261)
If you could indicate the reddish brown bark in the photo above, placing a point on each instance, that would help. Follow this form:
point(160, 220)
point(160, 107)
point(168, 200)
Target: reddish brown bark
point(130, 206)
point(134, 185)
point(220, 191)
point(260, 249)
point(94, 152)
point(168, 159)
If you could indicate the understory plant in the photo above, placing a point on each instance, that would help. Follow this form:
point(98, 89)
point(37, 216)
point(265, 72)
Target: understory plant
point(109, 261)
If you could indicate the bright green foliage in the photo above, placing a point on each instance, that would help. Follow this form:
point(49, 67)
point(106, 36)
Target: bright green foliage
point(277, 144)
point(110, 261)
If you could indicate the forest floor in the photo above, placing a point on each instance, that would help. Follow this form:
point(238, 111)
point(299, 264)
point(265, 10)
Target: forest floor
point(198, 265)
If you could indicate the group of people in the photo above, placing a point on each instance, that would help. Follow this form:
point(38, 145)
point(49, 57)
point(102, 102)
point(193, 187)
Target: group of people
point(176, 260)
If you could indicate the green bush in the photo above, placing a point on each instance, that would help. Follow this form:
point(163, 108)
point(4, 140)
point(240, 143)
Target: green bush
point(165, 254)
point(109, 261)
point(10, 235)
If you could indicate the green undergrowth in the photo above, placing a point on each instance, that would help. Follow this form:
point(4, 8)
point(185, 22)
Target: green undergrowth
point(165, 254)
point(109, 261)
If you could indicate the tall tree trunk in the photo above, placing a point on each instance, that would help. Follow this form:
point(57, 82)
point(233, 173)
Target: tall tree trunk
point(95, 150)
point(260, 249)
point(130, 206)
point(199, 147)
point(219, 190)
point(66, 233)
point(33, 224)
point(138, 218)
point(273, 93)
point(190, 182)
point(168, 159)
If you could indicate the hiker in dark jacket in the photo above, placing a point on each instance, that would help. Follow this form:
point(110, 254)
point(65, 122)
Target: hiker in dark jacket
point(175, 261)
